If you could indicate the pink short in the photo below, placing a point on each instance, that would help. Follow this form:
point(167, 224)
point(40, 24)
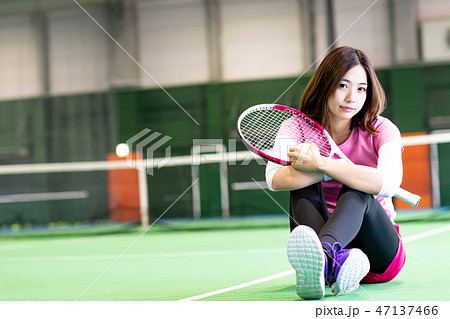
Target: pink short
point(393, 269)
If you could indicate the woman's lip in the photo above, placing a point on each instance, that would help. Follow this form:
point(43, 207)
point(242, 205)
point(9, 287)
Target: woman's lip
point(347, 108)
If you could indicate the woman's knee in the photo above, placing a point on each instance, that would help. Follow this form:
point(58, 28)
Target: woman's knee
point(310, 191)
point(365, 197)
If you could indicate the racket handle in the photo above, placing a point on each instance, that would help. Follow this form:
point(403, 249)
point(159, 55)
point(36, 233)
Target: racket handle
point(408, 197)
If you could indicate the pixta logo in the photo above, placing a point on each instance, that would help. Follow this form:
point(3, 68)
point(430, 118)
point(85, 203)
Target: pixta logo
point(146, 142)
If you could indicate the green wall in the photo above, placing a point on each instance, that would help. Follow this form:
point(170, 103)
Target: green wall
point(51, 130)
point(87, 127)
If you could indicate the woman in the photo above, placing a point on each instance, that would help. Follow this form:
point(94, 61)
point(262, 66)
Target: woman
point(342, 216)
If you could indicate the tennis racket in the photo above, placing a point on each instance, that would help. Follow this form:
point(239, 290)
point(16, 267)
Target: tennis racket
point(261, 125)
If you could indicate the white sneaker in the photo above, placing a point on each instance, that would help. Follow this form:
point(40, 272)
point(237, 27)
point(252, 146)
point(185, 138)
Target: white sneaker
point(305, 253)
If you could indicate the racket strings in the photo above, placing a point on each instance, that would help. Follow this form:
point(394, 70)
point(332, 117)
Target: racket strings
point(261, 128)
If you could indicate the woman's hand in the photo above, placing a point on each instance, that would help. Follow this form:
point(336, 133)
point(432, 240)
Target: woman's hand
point(306, 157)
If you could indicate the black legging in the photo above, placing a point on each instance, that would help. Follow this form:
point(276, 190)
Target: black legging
point(358, 221)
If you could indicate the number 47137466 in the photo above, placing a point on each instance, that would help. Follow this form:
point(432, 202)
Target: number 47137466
point(407, 310)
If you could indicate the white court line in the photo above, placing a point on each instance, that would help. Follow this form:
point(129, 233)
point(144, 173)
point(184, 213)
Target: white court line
point(250, 283)
point(289, 272)
point(427, 234)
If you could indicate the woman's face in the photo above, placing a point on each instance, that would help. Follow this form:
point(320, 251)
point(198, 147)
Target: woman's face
point(349, 97)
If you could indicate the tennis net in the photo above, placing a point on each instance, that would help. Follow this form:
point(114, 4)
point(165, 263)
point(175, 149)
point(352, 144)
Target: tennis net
point(210, 182)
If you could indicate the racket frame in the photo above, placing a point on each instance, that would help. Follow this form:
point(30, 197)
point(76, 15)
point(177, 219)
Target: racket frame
point(280, 108)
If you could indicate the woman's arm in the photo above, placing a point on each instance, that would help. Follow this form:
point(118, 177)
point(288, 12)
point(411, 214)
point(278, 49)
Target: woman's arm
point(288, 178)
point(383, 180)
point(285, 178)
point(363, 178)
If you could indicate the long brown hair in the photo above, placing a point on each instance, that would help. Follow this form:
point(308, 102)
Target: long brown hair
point(326, 79)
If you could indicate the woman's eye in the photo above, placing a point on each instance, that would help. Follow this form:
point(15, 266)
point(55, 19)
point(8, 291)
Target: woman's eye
point(343, 85)
point(362, 89)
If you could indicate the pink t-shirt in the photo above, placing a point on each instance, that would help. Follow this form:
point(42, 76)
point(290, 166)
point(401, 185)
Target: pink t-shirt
point(362, 149)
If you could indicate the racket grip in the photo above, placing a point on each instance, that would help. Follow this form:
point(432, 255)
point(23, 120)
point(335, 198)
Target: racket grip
point(408, 197)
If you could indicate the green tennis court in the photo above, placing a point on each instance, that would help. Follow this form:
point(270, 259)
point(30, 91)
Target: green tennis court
point(235, 259)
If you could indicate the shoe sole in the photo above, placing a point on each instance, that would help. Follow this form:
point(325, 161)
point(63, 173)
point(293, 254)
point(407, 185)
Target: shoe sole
point(354, 269)
point(306, 256)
